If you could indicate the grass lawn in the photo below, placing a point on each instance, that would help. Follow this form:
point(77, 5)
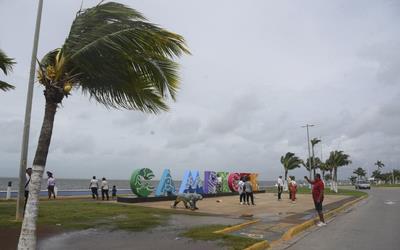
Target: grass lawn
point(386, 185)
point(230, 241)
point(341, 191)
point(83, 214)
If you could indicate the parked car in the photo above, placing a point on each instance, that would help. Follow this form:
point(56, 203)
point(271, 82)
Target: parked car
point(362, 184)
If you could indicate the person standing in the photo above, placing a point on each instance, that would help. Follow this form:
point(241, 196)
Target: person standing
point(51, 183)
point(293, 189)
point(318, 196)
point(114, 192)
point(104, 189)
point(280, 187)
point(241, 191)
point(248, 188)
point(28, 173)
point(94, 186)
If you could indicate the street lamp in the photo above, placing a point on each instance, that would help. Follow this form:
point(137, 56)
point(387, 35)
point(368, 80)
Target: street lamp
point(308, 146)
point(27, 121)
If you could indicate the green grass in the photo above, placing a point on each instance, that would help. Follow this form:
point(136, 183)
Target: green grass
point(78, 214)
point(386, 185)
point(341, 191)
point(230, 241)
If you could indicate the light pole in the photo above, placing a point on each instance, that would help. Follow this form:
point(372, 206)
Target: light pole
point(308, 146)
point(27, 121)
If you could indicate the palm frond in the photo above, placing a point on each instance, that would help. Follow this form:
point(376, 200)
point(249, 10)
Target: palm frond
point(6, 63)
point(5, 86)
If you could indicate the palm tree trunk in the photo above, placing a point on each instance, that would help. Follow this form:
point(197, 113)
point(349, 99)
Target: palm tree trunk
point(335, 185)
point(27, 239)
point(285, 184)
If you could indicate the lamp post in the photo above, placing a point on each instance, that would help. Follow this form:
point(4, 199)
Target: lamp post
point(27, 121)
point(308, 146)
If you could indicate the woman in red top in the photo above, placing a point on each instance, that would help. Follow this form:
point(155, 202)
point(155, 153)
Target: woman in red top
point(318, 196)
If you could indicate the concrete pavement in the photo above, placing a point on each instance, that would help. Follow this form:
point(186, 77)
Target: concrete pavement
point(372, 224)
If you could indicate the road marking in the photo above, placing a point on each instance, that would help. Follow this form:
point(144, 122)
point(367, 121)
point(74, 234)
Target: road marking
point(390, 202)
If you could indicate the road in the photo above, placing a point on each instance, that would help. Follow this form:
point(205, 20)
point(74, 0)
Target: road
point(373, 224)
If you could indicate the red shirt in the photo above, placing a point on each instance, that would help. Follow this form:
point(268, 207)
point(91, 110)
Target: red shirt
point(317, 189)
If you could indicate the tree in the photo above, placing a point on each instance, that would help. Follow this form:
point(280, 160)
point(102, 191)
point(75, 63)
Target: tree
point(316, 163)
point(115, 57)
point(6, 64)
point(314, 142)
point(353, 179)
point(379, 164)
point(328, 177)
point(377, 175)
point(289, 162)
point(337, 159)
point(360, 172)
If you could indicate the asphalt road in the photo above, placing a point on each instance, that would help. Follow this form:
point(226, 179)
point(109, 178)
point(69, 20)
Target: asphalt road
point(374, 224)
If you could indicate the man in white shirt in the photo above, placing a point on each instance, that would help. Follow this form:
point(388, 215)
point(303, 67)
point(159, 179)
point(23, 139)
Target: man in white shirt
point(241, 191)
point(94, 186)
point(280, 187)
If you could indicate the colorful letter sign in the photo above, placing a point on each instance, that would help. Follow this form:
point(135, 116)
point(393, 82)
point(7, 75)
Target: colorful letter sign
point(139, 182)
point(253, 180)
point(210, 182)
point(191, 183)
point(233, 181)
point(223, 186)
point(166, 186)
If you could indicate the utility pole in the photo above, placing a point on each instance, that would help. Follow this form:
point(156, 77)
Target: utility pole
point(27, 121)
point(308, 145)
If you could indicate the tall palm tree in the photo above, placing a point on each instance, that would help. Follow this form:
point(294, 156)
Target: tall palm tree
point(6, 64)
point(115, 56)
point(289, 162)
point(379, 164)
point(314, 142)
point(338, 159)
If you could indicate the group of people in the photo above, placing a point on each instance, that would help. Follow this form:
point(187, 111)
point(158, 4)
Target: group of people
point(292, 187)
point(245, 189)
point(317, 193)
point(94, 187)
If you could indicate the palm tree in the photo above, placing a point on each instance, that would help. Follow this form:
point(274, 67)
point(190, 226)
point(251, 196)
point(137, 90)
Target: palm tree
point(353, 179)
point(337, 159)
point(6, 64)
point(360, 172)
point(314, 142)
point(115, 56)
point(377, 175)
point(289, 162)
point(379, 164)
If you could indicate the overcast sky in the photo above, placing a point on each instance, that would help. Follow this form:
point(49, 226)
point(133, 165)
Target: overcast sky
point(259, 70)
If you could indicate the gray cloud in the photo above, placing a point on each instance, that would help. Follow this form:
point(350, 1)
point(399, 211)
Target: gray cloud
point(249, 86)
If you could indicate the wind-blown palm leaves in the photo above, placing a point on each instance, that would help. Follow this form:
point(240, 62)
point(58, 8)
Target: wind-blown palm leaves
point(117, 58)
point(6, 64)
point(289, 162)
point(337, 159)
point(360, 172)
point(379, 164)
point(314, 142)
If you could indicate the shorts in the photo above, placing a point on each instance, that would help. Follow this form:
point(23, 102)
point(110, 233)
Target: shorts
point(318, 206)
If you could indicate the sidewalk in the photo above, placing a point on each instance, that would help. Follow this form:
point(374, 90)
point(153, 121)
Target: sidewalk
point(274, 217)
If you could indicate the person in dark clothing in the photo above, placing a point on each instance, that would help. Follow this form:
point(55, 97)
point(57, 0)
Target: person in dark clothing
point(28, 180)
point(248, 188)
point(114, 192)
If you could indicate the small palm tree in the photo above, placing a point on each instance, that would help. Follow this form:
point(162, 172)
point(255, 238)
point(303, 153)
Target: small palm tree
point(289, 162)
point(6, 64)
point(337, 159)
point(115, 57)
point(379, 164)
point(360, 172)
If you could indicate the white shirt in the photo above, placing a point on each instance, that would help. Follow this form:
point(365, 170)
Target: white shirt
point(104, 185)
point(51, 181)
point(280, 182)
point(240, 186)
point(94, 183)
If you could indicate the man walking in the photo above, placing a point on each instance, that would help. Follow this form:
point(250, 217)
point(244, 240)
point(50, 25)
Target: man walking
point(242, 194)
point(248, 188)
point(280, 187)
point(318, 196)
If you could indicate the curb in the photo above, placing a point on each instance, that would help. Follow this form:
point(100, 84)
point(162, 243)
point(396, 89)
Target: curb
point(259, 246)
point(305, 225)
point(235, 227)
